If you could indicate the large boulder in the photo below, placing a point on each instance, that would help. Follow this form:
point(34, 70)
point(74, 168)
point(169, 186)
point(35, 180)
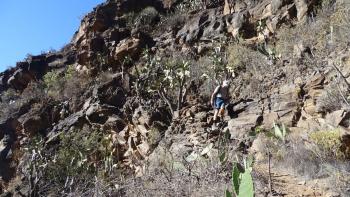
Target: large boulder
point(115, 35)
point(5, 146)
point(210, 24)
point(258, 147)
point(20, 79)
point(313, 90)
point(7, 140)
point(99, 113)
point(283, 106)
point(338, 118)
point(37, 120)
point(240, 18)
point(345, 143)
point(127, 48)
point(2, 82)
point(76, 120)
point(113, 92)
point(240, 127)
point(33, 68)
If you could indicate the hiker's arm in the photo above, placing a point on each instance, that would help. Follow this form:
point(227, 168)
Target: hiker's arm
point(228, 95)
point(214, 95)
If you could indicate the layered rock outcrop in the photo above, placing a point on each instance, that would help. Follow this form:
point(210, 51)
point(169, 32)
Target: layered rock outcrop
point(105, 42)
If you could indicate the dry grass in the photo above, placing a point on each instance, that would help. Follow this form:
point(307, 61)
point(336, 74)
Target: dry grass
point(76, 166)
point(242, 58)
point(67, 84)
point(169, 174)
point(332, 98)
point(322, 34)
point(312, 160)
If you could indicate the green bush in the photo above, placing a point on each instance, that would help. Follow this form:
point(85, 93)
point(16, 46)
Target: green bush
point(329, 143)
point(148, 16)
point(70, 166)
point(72, 158)
point(65, 84)
point(167, 78)
point(145, 20)
point(53, 83)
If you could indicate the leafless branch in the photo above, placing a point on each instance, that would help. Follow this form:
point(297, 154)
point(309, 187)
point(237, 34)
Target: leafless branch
point(162, 95)
point(342, 76)
point(270, 179)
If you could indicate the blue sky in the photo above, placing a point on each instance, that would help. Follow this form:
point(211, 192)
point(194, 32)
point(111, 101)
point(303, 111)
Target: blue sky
point(32, 26)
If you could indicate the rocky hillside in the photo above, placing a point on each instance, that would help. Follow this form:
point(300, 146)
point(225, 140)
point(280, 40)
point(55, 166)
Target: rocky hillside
point(124, 108)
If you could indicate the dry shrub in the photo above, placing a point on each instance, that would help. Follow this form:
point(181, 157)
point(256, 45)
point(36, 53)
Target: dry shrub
point(76, 84)
point(300, 160)
point(172, 21)
point(104, 77)
point(199, 71)
point(77, 166)
point(330, 29)
point(313, 159)
point(242, 58)
point(8, 95)
point(254, 72)
point(168, 173)
point(332, 98)
point(330, 145)
point(305, 160)
point(66, 84)
point(319, 157)
point(147, 18)
point(202, 177)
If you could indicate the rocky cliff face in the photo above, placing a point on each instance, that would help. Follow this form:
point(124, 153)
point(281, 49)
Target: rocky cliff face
point(129, 96)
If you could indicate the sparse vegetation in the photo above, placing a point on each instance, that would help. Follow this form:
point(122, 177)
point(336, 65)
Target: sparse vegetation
point(103, 159)
point(53, 82)
point(145, 19)
point(333, 98)
point(65, 84)
point(148, 16)
point(319, 36)
point(165, 77)
point(280, 132)
point(75, 167)
point(176, 75)
point(329, 143)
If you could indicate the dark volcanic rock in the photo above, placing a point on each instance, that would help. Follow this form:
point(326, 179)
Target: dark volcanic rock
point(7, 139)
point(33, 69)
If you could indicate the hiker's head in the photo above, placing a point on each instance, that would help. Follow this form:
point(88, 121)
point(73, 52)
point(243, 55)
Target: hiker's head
point(225, 83)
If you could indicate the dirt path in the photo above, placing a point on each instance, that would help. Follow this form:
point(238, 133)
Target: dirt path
point(288, 185)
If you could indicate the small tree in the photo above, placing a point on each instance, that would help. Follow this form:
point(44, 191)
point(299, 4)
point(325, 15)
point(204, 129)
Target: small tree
point(175, 76)
point(163, 76)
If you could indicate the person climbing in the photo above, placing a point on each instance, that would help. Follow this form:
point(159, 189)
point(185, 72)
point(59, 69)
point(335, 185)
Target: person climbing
point(219, 99)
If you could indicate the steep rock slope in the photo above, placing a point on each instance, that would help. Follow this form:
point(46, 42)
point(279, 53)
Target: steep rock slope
point(116, 70)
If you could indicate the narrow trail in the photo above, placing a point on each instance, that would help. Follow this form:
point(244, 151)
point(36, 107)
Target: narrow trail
point(287, 185)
